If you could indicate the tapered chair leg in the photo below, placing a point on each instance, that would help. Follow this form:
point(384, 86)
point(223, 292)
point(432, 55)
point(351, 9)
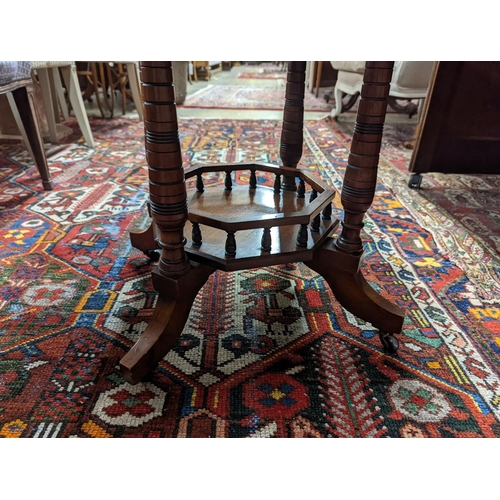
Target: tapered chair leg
point(75, 98)
point(338, 103)
point(19, 123)
point(48, 103)
point(26, 108)
point(58, 88)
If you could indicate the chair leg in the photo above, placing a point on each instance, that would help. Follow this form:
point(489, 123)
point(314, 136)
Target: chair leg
point(338, 102)
point(60, 93)
point(25, 105)
point(75, 98)
point(133, 80)
point(420, 109)
point(53, 94)
point(19, 123)
point(43, 78)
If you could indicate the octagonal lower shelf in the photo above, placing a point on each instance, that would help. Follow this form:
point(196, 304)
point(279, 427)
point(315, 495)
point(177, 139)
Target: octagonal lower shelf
point(246, 212)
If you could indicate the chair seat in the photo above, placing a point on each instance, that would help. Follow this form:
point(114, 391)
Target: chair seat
point(410, 80)
point(51, 64)
point(14, 71)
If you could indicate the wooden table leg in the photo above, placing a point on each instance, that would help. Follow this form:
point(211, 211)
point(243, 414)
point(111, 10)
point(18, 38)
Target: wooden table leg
point(292, 134)
point(176, 279)
point(338, 262)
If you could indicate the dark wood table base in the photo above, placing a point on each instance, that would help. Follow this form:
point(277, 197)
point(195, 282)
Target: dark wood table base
point(239, 227)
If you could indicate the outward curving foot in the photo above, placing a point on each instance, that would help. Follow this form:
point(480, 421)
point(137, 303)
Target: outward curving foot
point(160, 336)
point(341, 272)
point(166, 325)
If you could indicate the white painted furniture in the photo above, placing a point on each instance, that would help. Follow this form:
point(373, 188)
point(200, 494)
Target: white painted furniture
point(47, 74)
point(410, 80)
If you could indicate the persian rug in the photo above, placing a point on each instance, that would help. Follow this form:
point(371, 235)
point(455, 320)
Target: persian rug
point(243, 97)
point(462, 211)
point(263, 74)
point(266, 352)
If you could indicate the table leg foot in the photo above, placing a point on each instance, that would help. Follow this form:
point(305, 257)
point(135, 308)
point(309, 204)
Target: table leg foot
point(341, 272)
point(161, 334)
point(170, 315)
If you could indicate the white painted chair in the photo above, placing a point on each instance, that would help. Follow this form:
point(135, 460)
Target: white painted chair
point(47, 74)
point(410, 80)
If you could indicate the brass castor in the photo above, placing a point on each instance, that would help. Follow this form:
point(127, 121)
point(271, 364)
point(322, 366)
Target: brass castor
point(415, 181)
point(389, 342)
point(152, 254)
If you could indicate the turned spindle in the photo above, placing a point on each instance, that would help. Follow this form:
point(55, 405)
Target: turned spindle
point(168, 197)
point(277, 184)
point(199, 183)
point(253, 179)
point(196, 234)
point(327, 212)
point(230, 244)
point(228, 183)
point(266, 242)
point(293, 120)
point(316, 222)
point(301, 190)
point(302, 236)
point(360, 178)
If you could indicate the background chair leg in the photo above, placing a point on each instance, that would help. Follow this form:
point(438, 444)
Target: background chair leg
point(25, 105)
point(60, 93)
point(75, 98)
point(338, 103)
point(19, 123)
point(48, 104)
point(133, 79)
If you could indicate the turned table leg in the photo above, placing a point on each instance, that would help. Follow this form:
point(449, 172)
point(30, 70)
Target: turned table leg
point(293, 120)
point(176, 279)
point(338, 262)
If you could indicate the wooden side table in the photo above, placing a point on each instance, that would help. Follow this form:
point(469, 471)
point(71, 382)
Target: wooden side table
point(240, 227)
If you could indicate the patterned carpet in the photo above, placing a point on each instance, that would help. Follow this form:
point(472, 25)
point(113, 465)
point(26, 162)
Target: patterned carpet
point(462, 212)
point(263, 74)
point(267, 352)
point(244, 97)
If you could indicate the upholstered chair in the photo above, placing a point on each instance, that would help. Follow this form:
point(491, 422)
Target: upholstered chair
point(17, 84)
point(410, 81)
